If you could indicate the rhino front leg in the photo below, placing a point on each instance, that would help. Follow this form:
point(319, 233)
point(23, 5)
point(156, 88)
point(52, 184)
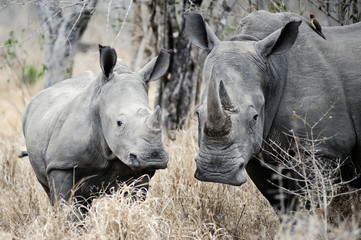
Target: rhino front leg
point(60, 183)
point(269, 185)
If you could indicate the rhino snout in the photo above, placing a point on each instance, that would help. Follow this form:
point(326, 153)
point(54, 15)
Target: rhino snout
point(152, 160)
point(227, 173)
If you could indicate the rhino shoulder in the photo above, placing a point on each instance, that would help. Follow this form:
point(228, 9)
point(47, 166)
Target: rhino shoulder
point(70, 141)
point(70, 144)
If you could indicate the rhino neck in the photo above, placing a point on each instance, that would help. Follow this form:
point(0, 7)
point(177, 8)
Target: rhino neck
point(98, 136)
point(277, 73)
point(95, 123)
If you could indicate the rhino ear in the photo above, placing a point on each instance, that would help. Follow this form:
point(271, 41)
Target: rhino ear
point(108, 59)
point(198, 31)
point(280, 41)
point(157, 67)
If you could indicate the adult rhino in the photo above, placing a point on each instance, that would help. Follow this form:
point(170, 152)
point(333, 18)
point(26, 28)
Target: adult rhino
point(96, 131)
point(274, 82)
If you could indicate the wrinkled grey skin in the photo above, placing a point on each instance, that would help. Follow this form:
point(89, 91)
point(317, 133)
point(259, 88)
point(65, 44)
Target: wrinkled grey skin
point(274, 69)
point(96, 130)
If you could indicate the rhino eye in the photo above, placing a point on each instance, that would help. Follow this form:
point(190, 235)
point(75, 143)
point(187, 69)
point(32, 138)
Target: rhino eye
point(254, 120)
point(119, 123)
point(253, 116)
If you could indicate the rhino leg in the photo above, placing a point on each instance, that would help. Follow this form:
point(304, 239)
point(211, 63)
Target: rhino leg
point(352, 170)
point(264, 178)
point(61, 184)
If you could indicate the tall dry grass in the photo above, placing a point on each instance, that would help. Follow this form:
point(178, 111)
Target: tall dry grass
point(177, 205)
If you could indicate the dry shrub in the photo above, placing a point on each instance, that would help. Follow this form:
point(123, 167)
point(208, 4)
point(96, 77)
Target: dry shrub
point(328, 207)
point(306, 226)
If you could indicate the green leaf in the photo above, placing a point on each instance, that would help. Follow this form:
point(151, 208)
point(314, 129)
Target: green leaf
point(30, 75)
point(68, 70)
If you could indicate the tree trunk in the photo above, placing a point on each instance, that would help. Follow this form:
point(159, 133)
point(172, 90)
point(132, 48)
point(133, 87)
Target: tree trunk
point(178, 92)
point(63, 36)
point(143, 37)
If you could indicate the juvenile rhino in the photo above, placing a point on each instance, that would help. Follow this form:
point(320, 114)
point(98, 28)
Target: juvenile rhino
point(274, 80)
point(96, 130)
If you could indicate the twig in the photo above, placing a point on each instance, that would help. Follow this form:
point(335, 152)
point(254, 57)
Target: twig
point(123, 23)
point(108, 16)
point(240, 216)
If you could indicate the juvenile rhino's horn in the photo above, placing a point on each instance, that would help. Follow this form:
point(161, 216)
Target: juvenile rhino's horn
point(154, 120)
point(215, 116)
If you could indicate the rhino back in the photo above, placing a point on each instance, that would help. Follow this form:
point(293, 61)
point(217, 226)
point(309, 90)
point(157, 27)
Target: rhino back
point(322, 83)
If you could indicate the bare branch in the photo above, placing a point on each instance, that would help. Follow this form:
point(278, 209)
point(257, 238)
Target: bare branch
point(123, 23)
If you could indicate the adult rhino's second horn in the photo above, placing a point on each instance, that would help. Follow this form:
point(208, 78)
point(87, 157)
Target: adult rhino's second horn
point(154, 120)
point(226, 101)
point(218, 122)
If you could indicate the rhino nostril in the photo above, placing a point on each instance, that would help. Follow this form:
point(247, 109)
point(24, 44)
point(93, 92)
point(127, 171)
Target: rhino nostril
point(134, 160)
point(155, 154)
point(241, 166)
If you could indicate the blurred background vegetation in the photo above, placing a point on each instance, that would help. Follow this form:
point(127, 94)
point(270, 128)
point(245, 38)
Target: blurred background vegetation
point(60, 31)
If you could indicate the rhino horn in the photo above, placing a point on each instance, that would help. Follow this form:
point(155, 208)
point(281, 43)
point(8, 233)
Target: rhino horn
point(154, 119)
point(225, 99)
point(215, 117)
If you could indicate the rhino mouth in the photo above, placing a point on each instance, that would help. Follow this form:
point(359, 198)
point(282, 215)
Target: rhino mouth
point(153, 161)
point(233, 174)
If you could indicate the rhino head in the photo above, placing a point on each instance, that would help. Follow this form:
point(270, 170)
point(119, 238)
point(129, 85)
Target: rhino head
point(232, 114)
point(132, 131)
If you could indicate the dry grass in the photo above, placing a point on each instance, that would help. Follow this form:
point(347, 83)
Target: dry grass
point(177, 207)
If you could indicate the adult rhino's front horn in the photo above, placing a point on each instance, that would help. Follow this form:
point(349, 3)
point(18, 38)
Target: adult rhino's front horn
point(154, 120)
point(218, 122)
